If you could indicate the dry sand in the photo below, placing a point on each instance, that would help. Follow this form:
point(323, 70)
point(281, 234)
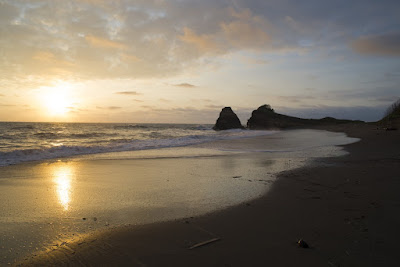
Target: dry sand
point(347, 209)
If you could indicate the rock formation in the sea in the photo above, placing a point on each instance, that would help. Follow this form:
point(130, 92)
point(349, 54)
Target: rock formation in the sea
point(266, 118)
point(227, 120)
point(262, 118)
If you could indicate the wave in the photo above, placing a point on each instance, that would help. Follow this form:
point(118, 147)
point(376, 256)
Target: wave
point(47, 135)
point(119, 145)
point(132, 126)
point(23, 127)
point(52, 135)
point(164, 126)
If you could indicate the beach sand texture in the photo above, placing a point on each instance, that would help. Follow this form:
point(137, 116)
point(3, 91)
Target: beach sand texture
point(345, 208)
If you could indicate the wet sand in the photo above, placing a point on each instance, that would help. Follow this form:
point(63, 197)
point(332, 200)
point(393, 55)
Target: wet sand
point(346, 208)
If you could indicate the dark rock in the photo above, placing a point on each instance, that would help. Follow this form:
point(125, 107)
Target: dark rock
point(266, 118)
point(390, 129)
point(227, 120)
point(262, 118)
point(302, 244)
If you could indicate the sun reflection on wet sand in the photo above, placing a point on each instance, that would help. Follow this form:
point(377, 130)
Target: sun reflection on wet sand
point(62, 177)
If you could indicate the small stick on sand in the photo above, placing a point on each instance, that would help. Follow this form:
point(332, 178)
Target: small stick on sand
point(205, 243)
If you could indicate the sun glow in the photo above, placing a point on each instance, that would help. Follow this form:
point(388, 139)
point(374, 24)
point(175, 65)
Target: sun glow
point(57, 100)
point(62, 179)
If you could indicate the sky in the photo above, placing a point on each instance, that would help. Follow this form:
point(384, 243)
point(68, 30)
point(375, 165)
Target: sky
point(181, 61)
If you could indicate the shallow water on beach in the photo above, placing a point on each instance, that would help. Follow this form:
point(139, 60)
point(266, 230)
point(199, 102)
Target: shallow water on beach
point(47, 203)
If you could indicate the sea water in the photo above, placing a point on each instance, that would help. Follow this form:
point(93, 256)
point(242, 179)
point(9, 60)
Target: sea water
point(60, 181)
point(23, 142)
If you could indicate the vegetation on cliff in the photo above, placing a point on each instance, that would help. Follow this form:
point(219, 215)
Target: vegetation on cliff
point(391, 119)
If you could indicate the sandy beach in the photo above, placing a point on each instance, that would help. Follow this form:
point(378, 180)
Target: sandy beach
point(346, 208)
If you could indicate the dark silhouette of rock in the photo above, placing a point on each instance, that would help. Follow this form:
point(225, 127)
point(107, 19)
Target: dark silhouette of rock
point(266, 118)
point(227, 120)
point(262, 118)
point(302, 244)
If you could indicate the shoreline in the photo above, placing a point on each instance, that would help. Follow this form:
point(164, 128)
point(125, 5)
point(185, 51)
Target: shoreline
point(336, 206)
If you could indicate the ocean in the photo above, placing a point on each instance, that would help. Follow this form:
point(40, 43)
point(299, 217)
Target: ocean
point(62, 181)
point(27, 141)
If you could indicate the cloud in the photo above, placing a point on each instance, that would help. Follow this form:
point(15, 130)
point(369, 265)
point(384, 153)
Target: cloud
point(109, 108)
point(365, 113)
point(7, 105)
point(237, 30)
point(104, 43)
point(388, 99)
point(375, 92)
point(147, 107)
point(127, 93)
point(254, 61)
point(187, 85)
point(98, 39)
point(7, 11)
point(214, 106)
point(386, 45)
point(204, 43)
point(295, 98)
point(246, 34)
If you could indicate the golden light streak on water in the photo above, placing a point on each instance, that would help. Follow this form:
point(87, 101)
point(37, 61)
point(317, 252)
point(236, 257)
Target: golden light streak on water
point(62, 177)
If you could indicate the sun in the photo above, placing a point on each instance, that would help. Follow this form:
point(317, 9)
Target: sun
point(56, 104)
point(57, 100)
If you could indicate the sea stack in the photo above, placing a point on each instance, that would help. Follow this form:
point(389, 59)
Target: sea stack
point(227, 120)
point(262, 118)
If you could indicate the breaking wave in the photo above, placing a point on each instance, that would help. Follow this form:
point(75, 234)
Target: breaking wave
point(154, 139)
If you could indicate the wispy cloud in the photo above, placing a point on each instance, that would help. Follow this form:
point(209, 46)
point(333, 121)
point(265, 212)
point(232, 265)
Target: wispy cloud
point(187, 85)
point(388, 99)
point(104, 43)
point(109, 107)
point(386, 44)
point(214, 106)
point(295, 98)
point(255, 61)
point(7, 105)
point(127, 93)
point(147, 107)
